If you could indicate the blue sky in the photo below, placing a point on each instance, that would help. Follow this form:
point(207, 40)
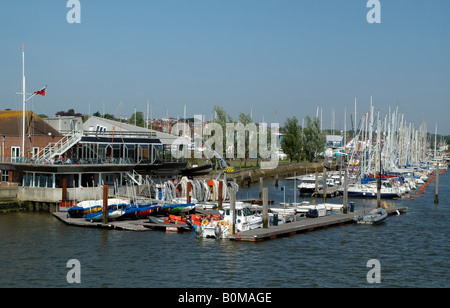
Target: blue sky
point(284, 56)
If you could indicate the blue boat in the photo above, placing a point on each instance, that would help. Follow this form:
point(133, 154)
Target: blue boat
point(76, 212)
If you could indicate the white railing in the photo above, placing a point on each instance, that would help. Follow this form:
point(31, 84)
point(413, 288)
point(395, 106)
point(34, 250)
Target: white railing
point(60, 147)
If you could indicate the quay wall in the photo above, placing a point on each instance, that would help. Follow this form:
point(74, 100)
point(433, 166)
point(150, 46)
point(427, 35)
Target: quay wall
point(248, 176)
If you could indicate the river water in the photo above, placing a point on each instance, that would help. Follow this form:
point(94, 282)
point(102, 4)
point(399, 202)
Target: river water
point(412, 251)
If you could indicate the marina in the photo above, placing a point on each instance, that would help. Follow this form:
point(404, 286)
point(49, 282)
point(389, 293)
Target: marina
point(217, 146)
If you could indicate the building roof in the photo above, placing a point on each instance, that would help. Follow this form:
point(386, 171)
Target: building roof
point(11, 122)
point(109, 125)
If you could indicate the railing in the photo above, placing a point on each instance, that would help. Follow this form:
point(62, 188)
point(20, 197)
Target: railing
point(51, 161)
point(61, 146)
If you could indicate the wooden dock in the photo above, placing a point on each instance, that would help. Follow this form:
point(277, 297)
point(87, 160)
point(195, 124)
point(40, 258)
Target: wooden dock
point(304, 225)
point(128, 225)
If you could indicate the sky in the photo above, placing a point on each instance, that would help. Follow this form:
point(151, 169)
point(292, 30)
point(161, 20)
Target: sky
point(274, 58)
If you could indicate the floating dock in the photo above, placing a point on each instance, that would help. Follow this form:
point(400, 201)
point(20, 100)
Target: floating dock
point(304, 225)
point(127, 225)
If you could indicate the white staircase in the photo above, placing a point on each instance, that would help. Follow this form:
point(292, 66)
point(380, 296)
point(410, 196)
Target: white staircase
point(59, 148)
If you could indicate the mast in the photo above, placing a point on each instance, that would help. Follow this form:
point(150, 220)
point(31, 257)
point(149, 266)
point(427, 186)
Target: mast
point(23, 101)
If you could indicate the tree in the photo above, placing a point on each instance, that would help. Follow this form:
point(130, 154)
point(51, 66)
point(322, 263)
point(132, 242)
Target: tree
point(68, 113)
point(137, 119)
point(292, 141)
point(314, 138)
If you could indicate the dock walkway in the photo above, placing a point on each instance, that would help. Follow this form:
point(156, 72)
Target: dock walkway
point(260, 234)
point(128, 225)
point(304, 225)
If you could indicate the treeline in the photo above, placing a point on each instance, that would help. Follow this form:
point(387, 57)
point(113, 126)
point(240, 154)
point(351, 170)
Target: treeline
point(302, 143)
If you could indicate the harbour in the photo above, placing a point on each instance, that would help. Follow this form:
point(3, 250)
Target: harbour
point(327, 257)
point(224, 146)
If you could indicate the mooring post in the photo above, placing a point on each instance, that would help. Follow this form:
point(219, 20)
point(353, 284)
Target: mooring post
point(64, 192)
point(220, 195)
point(105, 204)
point(232, 211)
point(345, 205)
point(436, 191)
point(265, 207)
point(188, 192)
point(324, 179)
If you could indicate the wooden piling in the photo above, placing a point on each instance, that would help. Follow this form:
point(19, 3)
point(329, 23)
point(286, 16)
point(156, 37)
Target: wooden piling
point(345, 203)
point(220, 195)
point(188, 192)
point(233, 211)
point(105, 204)
point(265, 202)
point(64, 189)
point(436, 188)
point(324, 180)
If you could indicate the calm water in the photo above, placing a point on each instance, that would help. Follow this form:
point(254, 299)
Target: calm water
point(413, 251)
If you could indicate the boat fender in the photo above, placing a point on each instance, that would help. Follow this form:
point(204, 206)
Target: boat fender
point(398, 213)
point(217, 232)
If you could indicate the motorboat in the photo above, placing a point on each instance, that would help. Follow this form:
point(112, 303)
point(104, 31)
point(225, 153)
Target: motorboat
point(308, 184)
point(375, 216)
point(245, 220)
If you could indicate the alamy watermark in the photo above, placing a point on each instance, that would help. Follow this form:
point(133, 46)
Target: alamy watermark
point(374, 274)
point(74, 14)
point(74, 274)
point(374, 14)
point(241, 141)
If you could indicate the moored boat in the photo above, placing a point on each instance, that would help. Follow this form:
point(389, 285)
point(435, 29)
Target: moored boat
point(375, 216)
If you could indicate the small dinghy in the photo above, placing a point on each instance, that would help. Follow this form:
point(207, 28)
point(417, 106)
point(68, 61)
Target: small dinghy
point(375, 216)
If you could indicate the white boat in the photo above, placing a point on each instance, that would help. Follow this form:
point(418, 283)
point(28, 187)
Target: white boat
point(283, 211)
point(320, 208)
point(333, 206)
point(244, 220)
point(308, 184)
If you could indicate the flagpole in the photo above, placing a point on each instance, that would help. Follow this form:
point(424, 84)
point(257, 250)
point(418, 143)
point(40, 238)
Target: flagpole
point(23, 100)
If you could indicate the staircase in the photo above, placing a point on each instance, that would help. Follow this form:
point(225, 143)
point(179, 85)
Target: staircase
point(135, 177)
point(59, 148)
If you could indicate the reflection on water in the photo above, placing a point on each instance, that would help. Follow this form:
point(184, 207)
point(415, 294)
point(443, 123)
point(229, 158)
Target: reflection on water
point(412, 249)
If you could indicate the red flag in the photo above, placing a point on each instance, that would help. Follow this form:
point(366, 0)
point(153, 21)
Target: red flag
point(41, 92)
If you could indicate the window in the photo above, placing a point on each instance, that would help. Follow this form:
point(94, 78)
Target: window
point(5, 176)
point(15, 154)
point(35, 151)
point(100, 128)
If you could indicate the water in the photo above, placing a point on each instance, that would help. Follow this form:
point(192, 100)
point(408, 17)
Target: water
point(412, 249)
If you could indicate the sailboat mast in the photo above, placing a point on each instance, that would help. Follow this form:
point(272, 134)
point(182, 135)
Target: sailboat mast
point(23, 101)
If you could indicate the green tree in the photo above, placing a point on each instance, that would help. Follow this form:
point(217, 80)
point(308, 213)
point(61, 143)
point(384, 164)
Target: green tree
point(245, 119)
point(314, 138)
point(137, 119)
point(292, 141)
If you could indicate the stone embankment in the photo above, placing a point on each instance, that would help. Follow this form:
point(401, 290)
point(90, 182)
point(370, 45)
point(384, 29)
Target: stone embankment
point(247, 176)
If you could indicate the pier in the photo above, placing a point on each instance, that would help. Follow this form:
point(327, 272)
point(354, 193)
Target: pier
point(304, 225)
point(260, 234)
